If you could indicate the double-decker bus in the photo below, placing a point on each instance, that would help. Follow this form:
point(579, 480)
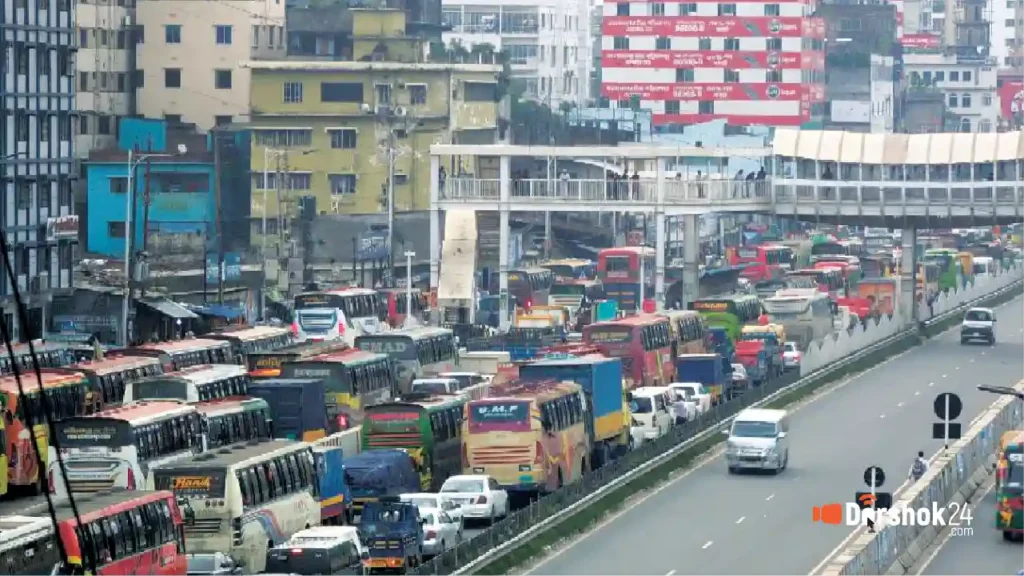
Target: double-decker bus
point(339, 314)
point(194, 384)
point(529, 286)
point(66, 393)
point(396, 305)
point(118, 447)
point(829, 278)
point(689, 331)
point(643, 343)
point(48, 356)
point(417, 352)
point(762, 262)
point(244, 499)
point(27, 545)
point(110, 377)
point(119, 533)
point(571, 269)
point(232, 420)
point(805, 314)
point(529, 436)
point(253, 339)
point(731, 312)
point(354, 380)
point(570, 294)
point(268, 364)
point(619, 270)
point(185, 353)
point(947, 261)
point(428, 428)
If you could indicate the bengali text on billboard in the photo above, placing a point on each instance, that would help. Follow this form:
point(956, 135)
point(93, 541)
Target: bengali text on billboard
point(687, 91)
point(731, 27)
point(920, 41)
point(704, 59)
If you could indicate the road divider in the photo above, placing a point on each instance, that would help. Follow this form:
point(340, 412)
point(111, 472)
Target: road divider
point(530, 532)
point(949, 484)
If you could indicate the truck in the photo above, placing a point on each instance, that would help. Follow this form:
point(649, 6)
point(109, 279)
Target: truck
point(756, 358)
point(379, 474)
point(392, 531)
point(706, 369)
point(601, 379)
point(484, 362)
point(335, 494)
point(299, 407)
point(773, 336)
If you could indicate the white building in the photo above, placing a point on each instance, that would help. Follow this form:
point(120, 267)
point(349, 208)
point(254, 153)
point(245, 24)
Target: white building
point(105, 69)
point(1006, 29)
point(969, 86)
point(549, 42)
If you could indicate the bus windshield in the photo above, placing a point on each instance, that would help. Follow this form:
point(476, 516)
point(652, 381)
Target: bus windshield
point(399, 347)
point(160, 388)
point(391, 422)
point(499, 412)
point(610, 335)
point(568, 290)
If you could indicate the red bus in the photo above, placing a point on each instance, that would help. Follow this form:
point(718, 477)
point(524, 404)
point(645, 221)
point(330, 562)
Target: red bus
point(108, 378)
point(764, 263)
point(618, 269)
point(121, 532)
point(829, 279)
point(643, 343)
point(396, 305)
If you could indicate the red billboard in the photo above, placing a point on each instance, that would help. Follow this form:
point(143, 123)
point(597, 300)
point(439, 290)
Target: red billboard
point(1011, 100)
point(731, 119)
point(920, 41)
point(705, 59)
point(727, 27)
point(689, 91)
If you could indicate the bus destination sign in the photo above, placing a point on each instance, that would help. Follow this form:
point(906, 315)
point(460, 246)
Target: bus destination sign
point(711, 306)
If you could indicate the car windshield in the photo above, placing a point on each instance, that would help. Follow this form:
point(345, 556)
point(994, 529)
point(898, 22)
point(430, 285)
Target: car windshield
point(641, 405)
point(430, 386)
point(978, 316)
point(790, 347)
point(202, 564)
point(428, 518)
point(753, 429)
point(462, 485)
point(422, 501)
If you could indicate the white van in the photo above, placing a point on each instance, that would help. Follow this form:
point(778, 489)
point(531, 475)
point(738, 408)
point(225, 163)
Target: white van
point(758, 440)
point(985, 265)
point(651, 407)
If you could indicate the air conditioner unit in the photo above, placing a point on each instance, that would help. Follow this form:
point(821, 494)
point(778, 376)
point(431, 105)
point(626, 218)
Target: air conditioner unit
point(400, 111)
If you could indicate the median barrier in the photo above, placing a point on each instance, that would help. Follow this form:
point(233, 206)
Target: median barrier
point(979, 286)
point(573, 509)
point(953, 477)
point(1002, 288)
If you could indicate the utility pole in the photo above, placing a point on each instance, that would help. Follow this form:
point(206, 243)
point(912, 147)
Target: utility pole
point(218, 215)
point(145, 221)
point(282, 173)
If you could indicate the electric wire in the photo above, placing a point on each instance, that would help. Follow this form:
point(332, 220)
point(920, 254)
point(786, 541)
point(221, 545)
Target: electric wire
point(47, 416)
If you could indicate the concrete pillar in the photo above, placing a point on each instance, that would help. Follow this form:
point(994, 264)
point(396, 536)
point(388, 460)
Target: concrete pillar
point(908, 278)
point(659, 236)
point(435, 235)
point(547, 234)
point(505, 183)
point(691, 258)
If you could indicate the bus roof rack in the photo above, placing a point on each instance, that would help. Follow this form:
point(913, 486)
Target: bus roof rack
point(517, 386)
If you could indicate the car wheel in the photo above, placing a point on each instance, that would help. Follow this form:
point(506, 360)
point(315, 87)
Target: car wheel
point(992, 341)
point(963, 341)
point(732, 469)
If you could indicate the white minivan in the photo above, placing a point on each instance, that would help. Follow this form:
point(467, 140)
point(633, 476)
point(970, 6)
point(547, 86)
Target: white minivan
point(652, 409)
point(758, 440)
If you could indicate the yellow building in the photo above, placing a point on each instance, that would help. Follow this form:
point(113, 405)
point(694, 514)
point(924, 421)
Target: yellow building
point(331, 126)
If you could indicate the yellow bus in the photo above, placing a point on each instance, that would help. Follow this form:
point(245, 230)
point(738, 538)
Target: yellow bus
point(529, 436)
point(689, 330)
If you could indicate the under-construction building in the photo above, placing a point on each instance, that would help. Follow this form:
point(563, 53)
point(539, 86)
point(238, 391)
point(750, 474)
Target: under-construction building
point(105, 71)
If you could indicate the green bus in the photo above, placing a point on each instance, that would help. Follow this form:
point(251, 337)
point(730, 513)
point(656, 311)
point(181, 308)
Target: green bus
point(948, 261)
point(729, 312)
point(429, 428)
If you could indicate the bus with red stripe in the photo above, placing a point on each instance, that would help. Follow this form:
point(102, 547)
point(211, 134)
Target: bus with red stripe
point(110, 377)
point(643, 343)
point(620, 269)
point(763, 263)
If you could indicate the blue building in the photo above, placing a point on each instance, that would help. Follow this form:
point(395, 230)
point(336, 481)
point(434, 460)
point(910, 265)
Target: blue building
point(175, 203)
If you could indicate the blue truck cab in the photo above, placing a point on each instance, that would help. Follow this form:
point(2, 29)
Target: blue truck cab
point(601, 378)
point(298, 406)
point(335, 494)
point(708, 370)
point(392, 532)
point(378, 474)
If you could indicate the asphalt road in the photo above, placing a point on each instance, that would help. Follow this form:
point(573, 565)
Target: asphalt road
point(709, 522)
point(984, 552)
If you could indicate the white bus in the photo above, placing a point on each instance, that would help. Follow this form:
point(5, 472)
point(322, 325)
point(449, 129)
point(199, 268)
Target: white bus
point(339, 315)
point(195, 384)
point(117, 447)
point(244, 499)
point(805, 313)
point(28, 545)
point(417, 352)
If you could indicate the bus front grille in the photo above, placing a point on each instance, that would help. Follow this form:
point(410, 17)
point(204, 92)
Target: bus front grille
point(203, 527)
point(502, 455)
point(91, 485)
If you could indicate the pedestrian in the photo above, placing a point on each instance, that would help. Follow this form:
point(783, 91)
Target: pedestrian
point(918, 468)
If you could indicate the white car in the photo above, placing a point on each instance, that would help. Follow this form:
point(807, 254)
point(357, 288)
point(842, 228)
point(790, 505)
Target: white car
point(440, 531)
point(701, 396)
point(431, 500)
point(686, 396)
point(739, 374)
point(652, 408)
point(791, 356)
point(479, 496)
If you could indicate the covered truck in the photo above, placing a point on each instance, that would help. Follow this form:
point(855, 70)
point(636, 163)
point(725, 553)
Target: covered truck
point(380, 474)
point(393, 533)
point(706, 369)
point(601, 379)
point(756, 359)
point(773, 336)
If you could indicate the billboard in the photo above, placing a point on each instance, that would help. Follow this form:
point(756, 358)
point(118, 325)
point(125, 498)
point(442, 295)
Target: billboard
point(732, 119)
point(1011, 100)
point(709, 91)
point(920, 41)
point(714, 26)
point(705, 59)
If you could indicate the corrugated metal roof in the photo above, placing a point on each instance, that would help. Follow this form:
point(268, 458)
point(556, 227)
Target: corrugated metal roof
point(940, 148)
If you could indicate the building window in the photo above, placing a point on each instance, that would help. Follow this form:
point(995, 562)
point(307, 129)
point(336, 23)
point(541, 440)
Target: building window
point(620, 43)
point(986, 100)
point(732, 43)
point(21, 55)
point(43, 191)
point(940, 76)
point(172, 34)
point(173, 118)
point(417, 94)
point(662, 43)
point(223, 120)
point(687, 9)
point(344, 138)
point(44, 127)
point(985, 126)
point(342, 184)
point(222, 79)
point(704, 44)
point(20, 126)
point(401, 179)
point(684, 74)
point(223, 34)
point(383, 92)
point(773, 76)
point(298, 181)
point(726, 9)
point(172, 77)
point(118, 184)
point(952, 101)
point(103, 125)
point(965, 101)
point(283, 138)
point(341, 92)
point(622, 9)
point(671, 106)
point(255, 33)
point(23, 195)
point(954, 76)
point(480, 92)
point(115, 228)
point(140, 34)
point(292, 92)
point(771, 10)
point(967, 75)
point(705, 107)
point(657, 9)
point(732, 76)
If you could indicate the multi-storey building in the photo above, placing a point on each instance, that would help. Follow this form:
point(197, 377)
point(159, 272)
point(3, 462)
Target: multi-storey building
point(548, 42)
point(188, 55)
point(750, 63)
point(336, 129)
point(37, 86)
point(105, 68)
point(968, 87)
point(1007, 20)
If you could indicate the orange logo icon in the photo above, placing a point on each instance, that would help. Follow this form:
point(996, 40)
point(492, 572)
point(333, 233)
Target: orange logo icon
point(867, 500)
point(828, 513)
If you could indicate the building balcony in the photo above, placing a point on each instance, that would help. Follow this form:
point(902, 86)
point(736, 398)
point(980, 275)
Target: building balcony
point(494, 28)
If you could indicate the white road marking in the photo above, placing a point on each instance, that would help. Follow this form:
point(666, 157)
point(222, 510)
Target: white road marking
point(957, 368)
point(670, 573)
point(943, 375)
point(917, 393)
point(930, 384)
point(971, 361)
point(900, 405)
point(742, 518)
point(883, 416)
point(770, 496)
point(707, 545)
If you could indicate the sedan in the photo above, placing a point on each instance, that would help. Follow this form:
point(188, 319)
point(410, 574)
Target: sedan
point(440, 531)
point(431, 500)
point(791, 356)
point(479, 496)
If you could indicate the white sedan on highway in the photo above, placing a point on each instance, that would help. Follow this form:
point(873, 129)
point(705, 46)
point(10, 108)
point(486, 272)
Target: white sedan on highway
point(791, 356)
point(479, 496)
point(431, 500)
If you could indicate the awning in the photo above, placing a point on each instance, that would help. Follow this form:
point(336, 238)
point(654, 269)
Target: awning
point(168, 308)
point(219, 310)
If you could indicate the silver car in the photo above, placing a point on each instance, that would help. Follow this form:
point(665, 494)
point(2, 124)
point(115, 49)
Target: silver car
point(440, 531)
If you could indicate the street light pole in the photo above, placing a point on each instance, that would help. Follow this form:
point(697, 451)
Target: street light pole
point(408, 284)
